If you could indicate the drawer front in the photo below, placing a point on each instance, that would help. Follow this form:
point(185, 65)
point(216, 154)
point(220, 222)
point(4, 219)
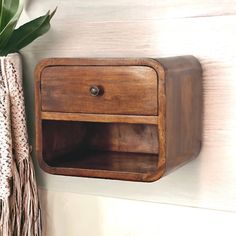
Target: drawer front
point(100, 89)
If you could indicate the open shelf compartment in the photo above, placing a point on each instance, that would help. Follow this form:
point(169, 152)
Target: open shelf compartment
point(109, 147)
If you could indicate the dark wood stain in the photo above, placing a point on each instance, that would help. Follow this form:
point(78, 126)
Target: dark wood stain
point(146, 122)
point(67, 89)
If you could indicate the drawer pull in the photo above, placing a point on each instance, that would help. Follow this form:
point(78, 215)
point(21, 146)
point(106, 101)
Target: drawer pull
point(95, 90)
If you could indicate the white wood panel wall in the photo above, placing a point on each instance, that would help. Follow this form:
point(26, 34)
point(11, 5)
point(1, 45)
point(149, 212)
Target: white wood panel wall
point(74, 215)
point(148, 28)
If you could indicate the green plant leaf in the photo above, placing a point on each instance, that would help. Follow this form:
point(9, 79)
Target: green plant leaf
point(28, 32)
point(0, 8)
point(53, 13)
point(7, 11)
point(6, 33)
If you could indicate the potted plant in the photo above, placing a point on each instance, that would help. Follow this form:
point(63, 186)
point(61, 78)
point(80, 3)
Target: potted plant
point(19, 211)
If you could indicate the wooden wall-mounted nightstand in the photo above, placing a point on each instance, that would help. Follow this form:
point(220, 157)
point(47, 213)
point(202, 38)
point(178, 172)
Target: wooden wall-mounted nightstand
point(127, 119)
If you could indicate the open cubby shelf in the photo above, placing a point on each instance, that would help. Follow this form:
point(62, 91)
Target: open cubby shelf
point(100, 146)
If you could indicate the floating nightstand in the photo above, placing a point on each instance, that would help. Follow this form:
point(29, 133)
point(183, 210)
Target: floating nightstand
point(127, 119)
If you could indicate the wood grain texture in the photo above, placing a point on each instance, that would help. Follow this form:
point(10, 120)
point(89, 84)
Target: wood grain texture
point(60, 138)
point(123, 138)
point(110, 164)
point(56, 141)
point(130, 119)
point(129, 10)
point(125, 89)
point(106, 153)
point(183, 109)
point(209, 181)
point(176, 138)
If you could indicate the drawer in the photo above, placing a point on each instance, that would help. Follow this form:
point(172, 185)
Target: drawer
point(128, 90)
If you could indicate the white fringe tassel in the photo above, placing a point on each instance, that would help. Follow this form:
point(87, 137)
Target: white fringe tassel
point(20, 214)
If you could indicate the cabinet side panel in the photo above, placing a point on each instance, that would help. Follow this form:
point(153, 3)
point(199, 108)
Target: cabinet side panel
point(183, 109)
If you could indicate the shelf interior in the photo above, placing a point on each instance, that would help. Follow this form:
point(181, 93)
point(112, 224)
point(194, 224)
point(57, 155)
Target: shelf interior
point(117, 147)
point(111, 161)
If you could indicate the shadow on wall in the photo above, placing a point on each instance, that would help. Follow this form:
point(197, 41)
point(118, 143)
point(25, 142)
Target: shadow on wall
point(27, 4)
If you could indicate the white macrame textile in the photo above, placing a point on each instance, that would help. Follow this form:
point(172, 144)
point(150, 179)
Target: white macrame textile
point(19, 204)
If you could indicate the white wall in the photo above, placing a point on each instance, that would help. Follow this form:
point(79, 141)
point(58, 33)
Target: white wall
point(199, 197)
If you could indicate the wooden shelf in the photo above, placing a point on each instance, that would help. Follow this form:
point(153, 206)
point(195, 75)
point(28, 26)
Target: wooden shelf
point(110, 161)
point(129, 119)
